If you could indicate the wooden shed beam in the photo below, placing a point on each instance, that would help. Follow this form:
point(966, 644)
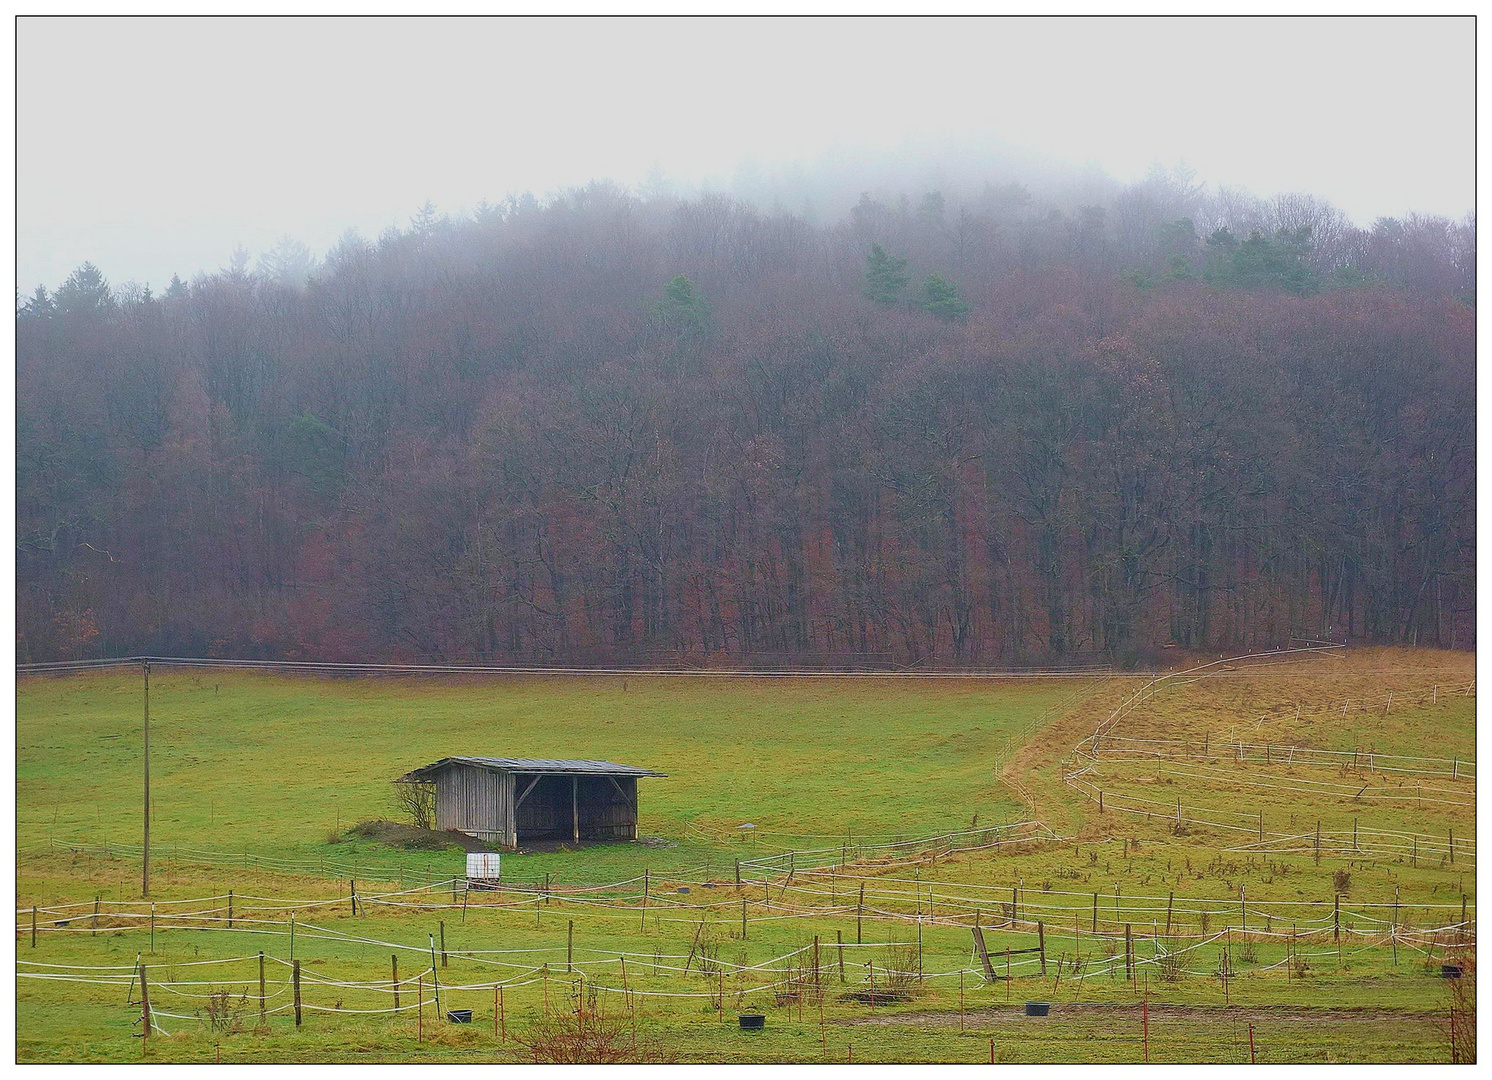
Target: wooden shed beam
point(631, 803)
point(531, 784)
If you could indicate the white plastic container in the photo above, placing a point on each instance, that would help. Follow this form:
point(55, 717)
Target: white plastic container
point(483, 866)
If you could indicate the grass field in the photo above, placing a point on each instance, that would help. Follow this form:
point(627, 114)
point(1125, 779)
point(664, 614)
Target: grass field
point(1333, 956)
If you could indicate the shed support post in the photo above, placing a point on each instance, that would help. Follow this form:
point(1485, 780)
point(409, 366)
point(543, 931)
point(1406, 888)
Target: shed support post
point(575, 806)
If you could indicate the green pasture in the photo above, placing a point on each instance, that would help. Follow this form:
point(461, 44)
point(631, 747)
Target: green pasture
point(280, 767)
point(1356, 1003)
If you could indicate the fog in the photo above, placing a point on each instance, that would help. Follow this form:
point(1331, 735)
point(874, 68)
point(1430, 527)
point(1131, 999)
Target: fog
point(153, 147)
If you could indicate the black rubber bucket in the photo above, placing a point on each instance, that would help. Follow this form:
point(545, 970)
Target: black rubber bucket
point(753, 1021)
point(459, 1016)
point(1450, 971)
point(1038, 1008)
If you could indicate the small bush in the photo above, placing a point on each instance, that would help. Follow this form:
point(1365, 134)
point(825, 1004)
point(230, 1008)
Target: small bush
point(1168, 961)
point(1245, 952)
point(590, 1038)
point(1341, 880)
point(417, 803)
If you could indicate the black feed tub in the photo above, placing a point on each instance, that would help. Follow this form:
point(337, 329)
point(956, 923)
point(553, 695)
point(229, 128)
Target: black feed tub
point(1450, 971)
point(753, 1021)
point(459, 1016)
point(1038, 1008)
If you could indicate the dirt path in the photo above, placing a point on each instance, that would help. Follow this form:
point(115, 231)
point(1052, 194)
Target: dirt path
point(1015, 1014)
point(1044, 753)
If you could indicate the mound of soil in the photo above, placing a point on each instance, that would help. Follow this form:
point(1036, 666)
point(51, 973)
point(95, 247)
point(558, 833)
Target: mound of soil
point(410, 838)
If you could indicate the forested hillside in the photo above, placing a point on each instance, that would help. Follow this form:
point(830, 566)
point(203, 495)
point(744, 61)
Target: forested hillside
point(964, 430)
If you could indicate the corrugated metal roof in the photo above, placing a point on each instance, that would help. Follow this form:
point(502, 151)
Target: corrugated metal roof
point(556, 766)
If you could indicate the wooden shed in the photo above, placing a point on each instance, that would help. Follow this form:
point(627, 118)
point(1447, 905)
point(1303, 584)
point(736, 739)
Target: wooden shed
point(508, 801)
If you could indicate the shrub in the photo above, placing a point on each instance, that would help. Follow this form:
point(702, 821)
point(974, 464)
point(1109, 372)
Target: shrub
point(588, 1037)
point(417, 803)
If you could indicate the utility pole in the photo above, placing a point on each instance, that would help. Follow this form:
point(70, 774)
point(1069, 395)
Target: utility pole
point(145, 879)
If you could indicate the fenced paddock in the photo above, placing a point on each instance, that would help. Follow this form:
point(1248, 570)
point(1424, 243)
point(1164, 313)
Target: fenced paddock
point(1161, 928)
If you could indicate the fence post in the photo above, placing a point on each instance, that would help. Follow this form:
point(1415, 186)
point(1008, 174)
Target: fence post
point(644, 898)
point(1318, 841)
point(839, 937)
point(230, 909)
point(1041, 945)
point(1450, 842)
point(263, 1020)
point(96, 899)
point(295, 984)
point(443, 960)
point(743, 918)
point(33, 928)
point(1129, 952)
point(860, 915)
point(569, 946)
point(352, 886)
point(144, 1004)
point(1095, 913)
point(394, 975)
point(1336, 917)
point(1170, 904)
point(1243, 905)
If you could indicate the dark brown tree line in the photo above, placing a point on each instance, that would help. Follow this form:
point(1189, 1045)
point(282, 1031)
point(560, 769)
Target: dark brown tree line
point(607, 429)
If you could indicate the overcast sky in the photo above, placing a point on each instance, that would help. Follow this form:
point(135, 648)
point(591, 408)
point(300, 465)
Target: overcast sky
point(155, 146)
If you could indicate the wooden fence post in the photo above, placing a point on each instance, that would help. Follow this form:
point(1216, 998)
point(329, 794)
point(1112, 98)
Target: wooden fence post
point(144, 1004)
point(1095, 913)
point(295, 985)
point(33, 928)
point(395, 976)
point(230, 909)
point(570, 946)
point(743, 918)
point(1336, 917)
point(1041, 945)
point(263, 1018)
point(1450, 843)
point(352, 894)
point(502, 1016)
point(860, 915)
point(839, 938)
point(1170, 904)
point(1129, 951)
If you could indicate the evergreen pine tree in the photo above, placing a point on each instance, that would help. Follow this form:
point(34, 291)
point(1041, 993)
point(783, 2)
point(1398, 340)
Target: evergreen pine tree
point(885, 277)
